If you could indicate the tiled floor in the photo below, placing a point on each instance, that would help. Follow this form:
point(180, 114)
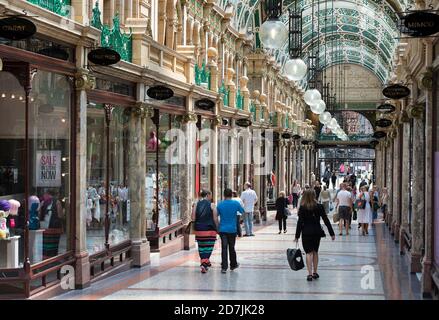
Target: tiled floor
point(265, 274)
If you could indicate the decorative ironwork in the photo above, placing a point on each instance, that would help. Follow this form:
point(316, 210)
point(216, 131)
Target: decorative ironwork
point(273, 8)
point(225, 92)
point(113, 37)
point(202, 75)
point(295, 32)
point(61, 7)
point(239, 100)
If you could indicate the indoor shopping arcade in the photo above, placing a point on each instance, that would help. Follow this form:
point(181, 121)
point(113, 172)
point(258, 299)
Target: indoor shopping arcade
point(176, 150)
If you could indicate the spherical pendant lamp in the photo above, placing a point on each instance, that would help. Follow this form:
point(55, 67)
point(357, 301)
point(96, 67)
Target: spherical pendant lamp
point(312, 96)
point(295, 69)
point(319, 107)
point(332, 124)
point(273, 34)
point(325, 117)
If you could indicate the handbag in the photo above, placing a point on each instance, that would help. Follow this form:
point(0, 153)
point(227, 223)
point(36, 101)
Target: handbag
point(295, 259)
point(336, 217)
point(287, 212)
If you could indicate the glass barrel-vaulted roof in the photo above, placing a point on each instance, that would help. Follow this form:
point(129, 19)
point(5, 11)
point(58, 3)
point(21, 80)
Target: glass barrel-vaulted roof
point(367, 29)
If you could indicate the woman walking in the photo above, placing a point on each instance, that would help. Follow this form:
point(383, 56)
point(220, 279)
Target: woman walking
point(205, 217)
point(364, 214)
point(374, 200)
point(296, 193)
point(309, 226)
point(281, 210)
point(317, 188)
point(325, 199)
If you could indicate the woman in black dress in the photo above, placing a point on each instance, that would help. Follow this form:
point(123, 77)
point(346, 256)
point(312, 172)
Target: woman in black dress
point(281, 207)
point(309, 226)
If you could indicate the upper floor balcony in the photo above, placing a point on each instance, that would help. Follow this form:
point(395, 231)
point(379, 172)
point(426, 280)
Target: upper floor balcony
point(61, 7)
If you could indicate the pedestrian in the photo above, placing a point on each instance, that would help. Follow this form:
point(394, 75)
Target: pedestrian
point(205, 217)
point(249, 199)
point(307, 187)
point(344, 204)
point(240, 220)
point(364, 214)
point(296, 193)
point(313, 177)
point(333, 180)
point(363, 183)
point(308, 225)
point(317, 189)
point(374, 201)
point(384, 199)
point(228, 212)
point(325, 199)
point(282, 211)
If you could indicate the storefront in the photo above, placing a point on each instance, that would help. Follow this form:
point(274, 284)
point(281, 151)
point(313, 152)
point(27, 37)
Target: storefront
point(224, 179)
point(36, 163)
point(107, 203)
point(165, 180)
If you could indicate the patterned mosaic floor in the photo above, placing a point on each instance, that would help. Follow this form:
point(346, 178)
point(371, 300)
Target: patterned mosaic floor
point(264, 272)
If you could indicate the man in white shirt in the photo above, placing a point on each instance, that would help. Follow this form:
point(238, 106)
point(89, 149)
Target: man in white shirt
point(249, 198)
point(344, 204)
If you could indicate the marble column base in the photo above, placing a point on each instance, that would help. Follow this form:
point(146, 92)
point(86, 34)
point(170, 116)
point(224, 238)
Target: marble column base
point(140, 253)
point(82, 270)
point(427, 284)
point(189, 241)
point(415, 262)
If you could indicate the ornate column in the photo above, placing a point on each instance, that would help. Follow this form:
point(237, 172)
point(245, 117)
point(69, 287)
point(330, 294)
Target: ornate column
point(214, 146)
point(83, 82)
point(245, 93)
point(396, 223)
point(389, 181)
point(282, 146)
point(230, 84)
point(212, 55)
point(418, 195)
point(405, 185)
point(140, 251)
point(294, 161)
point(188, 178)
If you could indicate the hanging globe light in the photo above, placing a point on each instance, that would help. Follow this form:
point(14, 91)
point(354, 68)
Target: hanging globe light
point(319, 107)
point(273, 34)
point(295, 69)
point(312, 96)
point(325, 117)
point(332, 124)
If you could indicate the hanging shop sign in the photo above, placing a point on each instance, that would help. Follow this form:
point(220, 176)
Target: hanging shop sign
point(205, 104)
point(103, 56)
point(286, 135)
point(305, 142)
point(17, 28)
point(396, 91)
point(55, 52)
point(48, 168)
point(386, 108)
point(379, 134)
point(422, 23)
point(296, 137)
point(243, 122)
point(160, 92)
point(384, 123)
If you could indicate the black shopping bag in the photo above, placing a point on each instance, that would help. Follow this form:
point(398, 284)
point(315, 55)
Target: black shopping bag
point(295, 259)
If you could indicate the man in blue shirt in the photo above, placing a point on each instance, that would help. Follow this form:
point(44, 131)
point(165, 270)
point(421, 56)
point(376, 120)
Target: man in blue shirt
point(228, 212)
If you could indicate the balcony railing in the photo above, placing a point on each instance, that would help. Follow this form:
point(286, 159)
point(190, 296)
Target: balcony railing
point(351, 137)
point(113, 37)
point(61, 7)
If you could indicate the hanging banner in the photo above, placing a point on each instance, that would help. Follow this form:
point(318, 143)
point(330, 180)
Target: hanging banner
point(48, 168)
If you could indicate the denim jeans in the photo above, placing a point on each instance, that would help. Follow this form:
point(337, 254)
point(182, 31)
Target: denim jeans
point(228, 249)
point(248, 223)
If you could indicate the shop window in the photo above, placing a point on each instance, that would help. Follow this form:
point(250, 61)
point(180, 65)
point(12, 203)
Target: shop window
point(99, 197)
point(49, 162)
point(164, 181)
point(12, 170)
point(205, 181)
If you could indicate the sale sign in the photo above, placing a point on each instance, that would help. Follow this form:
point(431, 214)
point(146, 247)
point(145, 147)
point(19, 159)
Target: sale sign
point(48, 168)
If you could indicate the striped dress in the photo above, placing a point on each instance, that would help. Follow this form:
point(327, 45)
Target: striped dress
point(205, 231)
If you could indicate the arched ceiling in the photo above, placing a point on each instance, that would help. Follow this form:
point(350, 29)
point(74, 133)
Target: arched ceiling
point(365, 30)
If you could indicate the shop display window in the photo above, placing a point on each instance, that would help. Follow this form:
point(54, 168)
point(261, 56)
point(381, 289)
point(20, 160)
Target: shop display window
point(48, 176)
point(164, 180)
point(205, 179)
point(118, 199)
